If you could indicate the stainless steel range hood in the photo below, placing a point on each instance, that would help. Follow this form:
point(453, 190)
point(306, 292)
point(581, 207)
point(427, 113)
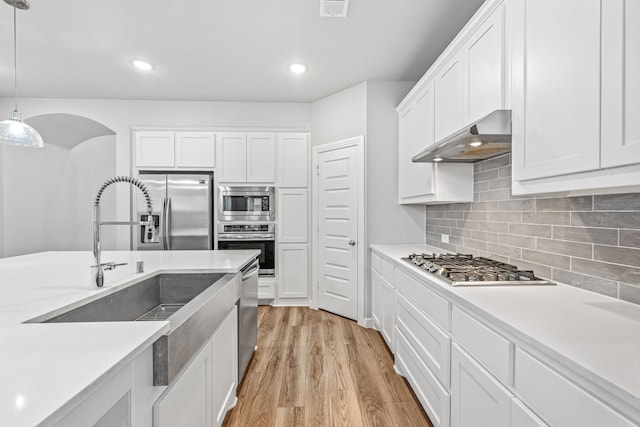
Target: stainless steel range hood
point(488, 137)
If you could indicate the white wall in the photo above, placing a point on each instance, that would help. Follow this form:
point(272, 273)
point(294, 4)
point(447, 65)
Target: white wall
point(38, 199)
point(123, 115)
point(93, 161)
point(387, 221)
point(339, 116)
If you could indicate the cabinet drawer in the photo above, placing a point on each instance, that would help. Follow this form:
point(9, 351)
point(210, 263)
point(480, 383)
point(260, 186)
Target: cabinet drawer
point(556, 399)
point(375, 262)
point(431, 304)
point(386, 270)
point(434, 398)
point(266, 288)
point(494, 352)
point(430, 342)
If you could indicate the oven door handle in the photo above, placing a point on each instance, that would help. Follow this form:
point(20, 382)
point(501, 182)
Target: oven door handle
point(228, 237)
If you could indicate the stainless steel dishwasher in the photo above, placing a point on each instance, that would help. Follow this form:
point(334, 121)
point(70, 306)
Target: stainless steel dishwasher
point(247, 316)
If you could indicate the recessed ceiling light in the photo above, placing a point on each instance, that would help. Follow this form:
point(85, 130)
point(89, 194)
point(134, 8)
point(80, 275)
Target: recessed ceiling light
point(437, 159)
point(475, 143)
point(297, 68)
point(142, 65)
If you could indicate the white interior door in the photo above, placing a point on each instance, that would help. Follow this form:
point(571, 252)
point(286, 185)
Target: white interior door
point(338, 231)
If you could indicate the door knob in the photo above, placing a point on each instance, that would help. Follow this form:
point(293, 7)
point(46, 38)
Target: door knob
point(352, 242)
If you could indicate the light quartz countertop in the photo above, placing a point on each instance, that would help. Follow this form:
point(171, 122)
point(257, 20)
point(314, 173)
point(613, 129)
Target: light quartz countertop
point(46, 368)
point(595, 336)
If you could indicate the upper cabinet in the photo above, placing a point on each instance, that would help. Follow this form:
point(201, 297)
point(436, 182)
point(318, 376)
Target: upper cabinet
point(576, 68)
point(293, 160)
point(246, 157)
point(467, 82)
point(167, 150)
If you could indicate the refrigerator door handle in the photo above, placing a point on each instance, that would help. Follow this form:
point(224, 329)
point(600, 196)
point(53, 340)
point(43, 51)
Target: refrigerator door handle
point(163, 215)
point(167, 225)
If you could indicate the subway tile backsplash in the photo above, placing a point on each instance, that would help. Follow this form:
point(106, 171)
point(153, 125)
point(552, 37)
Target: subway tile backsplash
point(592, 242)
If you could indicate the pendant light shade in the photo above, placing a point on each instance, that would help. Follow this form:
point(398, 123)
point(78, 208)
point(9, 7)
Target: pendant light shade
point(14, 131)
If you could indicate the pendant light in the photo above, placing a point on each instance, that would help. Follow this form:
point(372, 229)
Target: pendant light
point(13, 130)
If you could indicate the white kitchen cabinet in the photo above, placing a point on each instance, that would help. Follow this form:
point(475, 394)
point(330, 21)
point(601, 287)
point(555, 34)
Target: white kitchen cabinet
point(620, 83)
point(485, 64)
point(246, 157)
point(187, 402)
point(427, 182)
point(155, 149)
point(376, 299)
point(521, 416)
point(232, 157)
point(556, 110)
point(417, 132)
point(261, 157)
point(388, 312)
point(575, 84)
point(224, 367)
point(293, 271)
point(195, 149)
point(555, 398)
point(449, 86)
point(170, 150)
point(266, 288)
point(293, 160)
point(293, 215)
point(477, 399)
point(205, 389)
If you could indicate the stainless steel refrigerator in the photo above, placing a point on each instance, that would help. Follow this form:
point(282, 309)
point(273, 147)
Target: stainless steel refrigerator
point(182, 212)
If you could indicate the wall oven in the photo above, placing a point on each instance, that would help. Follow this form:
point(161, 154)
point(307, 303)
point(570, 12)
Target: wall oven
point(246, 203)
point(253, 235)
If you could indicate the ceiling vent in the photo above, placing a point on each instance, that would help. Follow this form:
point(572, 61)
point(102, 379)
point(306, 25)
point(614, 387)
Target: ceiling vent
point(334, 8)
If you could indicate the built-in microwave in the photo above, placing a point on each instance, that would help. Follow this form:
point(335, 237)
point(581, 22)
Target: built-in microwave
point(246, 203)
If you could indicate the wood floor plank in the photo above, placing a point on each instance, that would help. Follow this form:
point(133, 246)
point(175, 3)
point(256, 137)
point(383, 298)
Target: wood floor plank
point(316, 369)
point(345, 411)
point(290, 417)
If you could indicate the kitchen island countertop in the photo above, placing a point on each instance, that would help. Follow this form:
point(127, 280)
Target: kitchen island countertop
point(47, 368)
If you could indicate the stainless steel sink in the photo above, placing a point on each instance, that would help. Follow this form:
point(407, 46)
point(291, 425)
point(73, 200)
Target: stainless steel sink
point(194, 304)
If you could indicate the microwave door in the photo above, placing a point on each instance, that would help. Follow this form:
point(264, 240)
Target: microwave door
point(189, 212)
point(157, 186)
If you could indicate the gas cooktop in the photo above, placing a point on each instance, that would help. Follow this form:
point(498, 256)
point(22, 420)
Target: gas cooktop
point(467, 270)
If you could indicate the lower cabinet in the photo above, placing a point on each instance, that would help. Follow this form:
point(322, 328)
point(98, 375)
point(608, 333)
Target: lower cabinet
point(521, 416)
point(376, 300)
point(477, 399)
point(383, 306)
point(205, 389)
point(293, 271)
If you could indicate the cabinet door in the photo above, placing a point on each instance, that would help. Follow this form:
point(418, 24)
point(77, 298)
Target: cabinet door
point(293, 271)
point(620, 82)
point(293, 160)
point(556, 95)
point(232, 157)
point(376, 299)
point(261, 157)
point(293, 207)
point(195, 149)
point(155, 149)
point(477, 399)
point(224, 367)
point(388, 312)
point(450, 96)
point(423, 173)
point(521, 416)
point(407, 137)
point(186, 401)
point(485, 59)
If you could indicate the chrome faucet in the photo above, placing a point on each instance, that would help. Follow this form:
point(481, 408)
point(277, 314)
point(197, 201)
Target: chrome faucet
point(98, 267)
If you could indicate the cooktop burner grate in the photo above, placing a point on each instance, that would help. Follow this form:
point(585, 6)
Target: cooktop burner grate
point(467, 270)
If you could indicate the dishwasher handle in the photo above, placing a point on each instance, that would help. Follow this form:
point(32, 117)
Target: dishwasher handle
point(251, 270)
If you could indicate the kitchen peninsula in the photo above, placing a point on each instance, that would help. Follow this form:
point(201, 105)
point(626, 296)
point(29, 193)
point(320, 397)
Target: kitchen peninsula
point(52, 372)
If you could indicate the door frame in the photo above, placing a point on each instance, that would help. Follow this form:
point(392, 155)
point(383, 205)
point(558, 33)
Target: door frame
point(358, 142)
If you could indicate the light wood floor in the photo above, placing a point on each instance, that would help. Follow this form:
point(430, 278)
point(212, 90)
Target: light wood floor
point(314, 369)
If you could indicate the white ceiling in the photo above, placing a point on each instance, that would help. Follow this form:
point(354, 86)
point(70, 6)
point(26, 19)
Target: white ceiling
point(234, 50)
